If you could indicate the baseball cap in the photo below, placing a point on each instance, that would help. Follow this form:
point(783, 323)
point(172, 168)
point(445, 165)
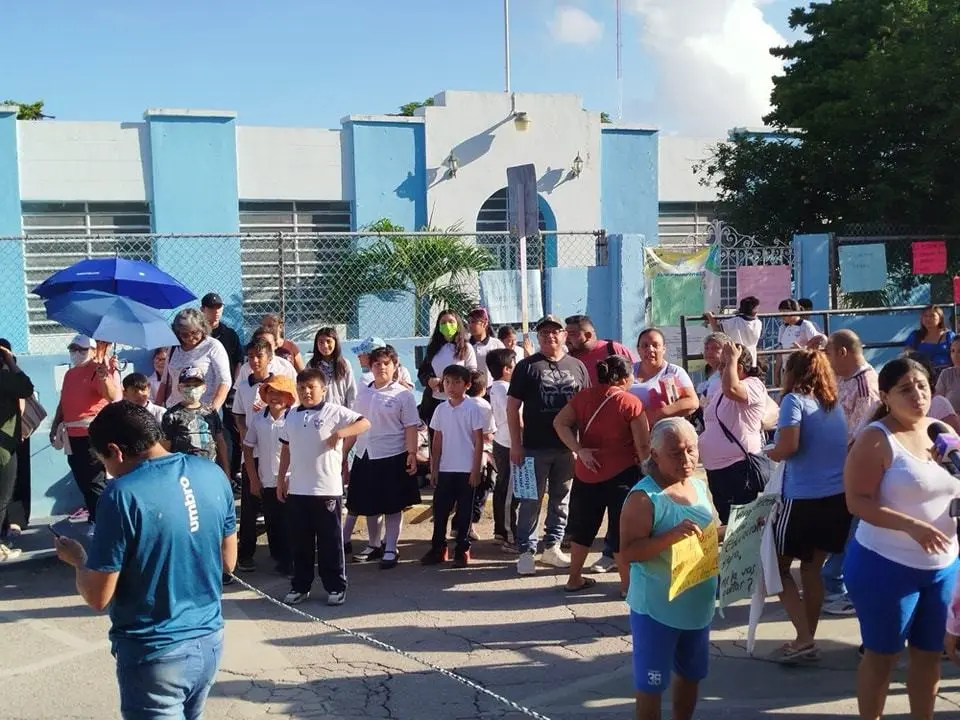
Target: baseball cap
point(211, 300)
point(82, 341)
point(192, 373)
point(280, 383)
point(368, 345)
point(548, 320)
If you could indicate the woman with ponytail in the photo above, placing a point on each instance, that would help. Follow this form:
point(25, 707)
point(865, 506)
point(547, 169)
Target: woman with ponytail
point(607, 430)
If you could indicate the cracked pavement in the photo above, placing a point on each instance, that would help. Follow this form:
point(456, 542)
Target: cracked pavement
point(565, 655)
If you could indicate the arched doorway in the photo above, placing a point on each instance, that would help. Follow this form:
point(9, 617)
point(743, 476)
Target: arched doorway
point(492, 220)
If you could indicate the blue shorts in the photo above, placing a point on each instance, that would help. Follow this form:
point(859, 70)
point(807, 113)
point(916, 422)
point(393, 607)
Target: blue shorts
point(897, 604)
point(659, 648)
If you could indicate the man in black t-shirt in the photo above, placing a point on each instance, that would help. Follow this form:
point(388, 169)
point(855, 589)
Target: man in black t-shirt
point(541, 386)
point(212, 306)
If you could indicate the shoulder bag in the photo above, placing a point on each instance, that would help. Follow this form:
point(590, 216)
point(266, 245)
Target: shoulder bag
point(759, 467)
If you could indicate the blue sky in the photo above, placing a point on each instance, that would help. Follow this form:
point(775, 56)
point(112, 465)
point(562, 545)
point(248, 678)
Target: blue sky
point(690, 65)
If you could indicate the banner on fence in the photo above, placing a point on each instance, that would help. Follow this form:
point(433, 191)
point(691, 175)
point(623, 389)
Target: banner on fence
point(675, 295)
point(740, 557)
point(770, 284)
point(929, 257)
point(863, 268)
point(500, 294)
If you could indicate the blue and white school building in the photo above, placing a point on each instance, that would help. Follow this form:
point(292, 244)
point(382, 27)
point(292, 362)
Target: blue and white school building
point(204, 172)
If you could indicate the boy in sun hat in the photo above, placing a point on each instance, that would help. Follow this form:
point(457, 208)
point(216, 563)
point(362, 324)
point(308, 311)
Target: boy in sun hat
point(363, 349)
point(261, 457)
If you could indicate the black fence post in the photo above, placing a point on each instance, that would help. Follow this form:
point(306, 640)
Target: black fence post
point(683, 343)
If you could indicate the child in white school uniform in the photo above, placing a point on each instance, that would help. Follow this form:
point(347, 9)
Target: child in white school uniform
point(383, 479)
point(261, 457)
point(476, 393)
point(458, 425)
point(312, 452)
point(501, 363)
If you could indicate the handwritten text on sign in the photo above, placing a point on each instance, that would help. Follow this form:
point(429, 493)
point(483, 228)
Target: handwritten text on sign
point(740, 558)
point(770, 284)
point(929, 257)
point(693, 560)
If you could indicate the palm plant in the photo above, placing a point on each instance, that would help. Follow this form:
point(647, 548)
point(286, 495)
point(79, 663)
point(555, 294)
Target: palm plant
point(435, 268)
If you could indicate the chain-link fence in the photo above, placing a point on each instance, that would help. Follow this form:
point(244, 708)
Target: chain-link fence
point(362, 283)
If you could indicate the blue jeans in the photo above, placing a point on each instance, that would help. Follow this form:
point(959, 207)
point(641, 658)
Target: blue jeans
point(554, 471)
point(832, 571)
point(175, 684)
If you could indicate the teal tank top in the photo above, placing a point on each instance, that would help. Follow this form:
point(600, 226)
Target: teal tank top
point(650, 581)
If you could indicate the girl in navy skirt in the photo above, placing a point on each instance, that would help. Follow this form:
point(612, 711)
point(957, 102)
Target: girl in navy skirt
point(383, 478)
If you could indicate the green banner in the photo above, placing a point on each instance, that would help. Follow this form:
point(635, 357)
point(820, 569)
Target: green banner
point(675, 295)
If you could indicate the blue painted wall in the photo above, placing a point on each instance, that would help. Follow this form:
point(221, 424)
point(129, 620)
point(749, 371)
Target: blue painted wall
point(389, 172)
point(13, 319)
point(629, 181)
point(194, 182)
point(629, 285)
point(582, 290)
point(811, 263)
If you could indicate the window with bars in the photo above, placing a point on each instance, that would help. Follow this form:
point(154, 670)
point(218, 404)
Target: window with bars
point(301, 233)
point(493, 218)
point(681, 222)
point(59, 234)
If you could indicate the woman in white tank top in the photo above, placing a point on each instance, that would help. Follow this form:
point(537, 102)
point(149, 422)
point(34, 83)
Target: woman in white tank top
point(901, 566)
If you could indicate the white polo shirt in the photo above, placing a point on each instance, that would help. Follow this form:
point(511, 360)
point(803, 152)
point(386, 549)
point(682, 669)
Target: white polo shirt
point(498, 402)
point(263, 435)
point(390, 410)
point(458, 426)
point(247, 400)
point(315, 468)
point(277, 366)
point(489, 424)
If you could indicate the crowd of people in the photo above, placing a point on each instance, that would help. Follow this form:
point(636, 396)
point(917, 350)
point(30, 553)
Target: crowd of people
point(609, 432)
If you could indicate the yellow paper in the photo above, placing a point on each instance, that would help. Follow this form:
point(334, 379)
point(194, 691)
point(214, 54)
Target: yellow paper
point(693, 560)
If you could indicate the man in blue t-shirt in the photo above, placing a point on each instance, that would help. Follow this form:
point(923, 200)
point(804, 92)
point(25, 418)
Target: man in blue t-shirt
point(166, 534)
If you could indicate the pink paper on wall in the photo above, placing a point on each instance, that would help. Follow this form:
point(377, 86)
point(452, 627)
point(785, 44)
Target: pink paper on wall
point(768, 283)
point(956, 290)
point(929, 257)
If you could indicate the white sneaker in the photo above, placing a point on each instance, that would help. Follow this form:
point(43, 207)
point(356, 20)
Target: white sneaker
point(9, 553)
point(336, 598)
point(526, 565)
point(295, 598)
point(604, 564)
point(555, 557)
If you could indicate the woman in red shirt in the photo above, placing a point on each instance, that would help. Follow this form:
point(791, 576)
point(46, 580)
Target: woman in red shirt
point(87, 388)
point(606, 428)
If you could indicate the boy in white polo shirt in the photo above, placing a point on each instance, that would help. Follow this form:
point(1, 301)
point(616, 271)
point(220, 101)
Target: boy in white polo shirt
point(261, 457)
point(458, 426)
point(312, 451)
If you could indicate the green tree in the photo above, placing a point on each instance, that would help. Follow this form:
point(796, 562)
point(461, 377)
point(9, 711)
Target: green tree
point(866, 126)
point(434, 268)
point(28, 111)
point(407, 109)
point(605, 118)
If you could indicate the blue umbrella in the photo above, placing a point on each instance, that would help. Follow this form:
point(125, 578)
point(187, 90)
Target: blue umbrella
point(111, 318)
point(132, 279)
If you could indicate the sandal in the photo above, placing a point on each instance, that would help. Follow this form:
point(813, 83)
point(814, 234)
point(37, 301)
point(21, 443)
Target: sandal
point(790, 653)
point(588, 582)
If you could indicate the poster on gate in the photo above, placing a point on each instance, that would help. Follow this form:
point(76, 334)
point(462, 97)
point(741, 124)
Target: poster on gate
point(740, 556)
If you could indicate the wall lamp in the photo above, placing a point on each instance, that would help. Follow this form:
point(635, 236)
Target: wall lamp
point(452, 163)
point(521, 121)
point(577, 166)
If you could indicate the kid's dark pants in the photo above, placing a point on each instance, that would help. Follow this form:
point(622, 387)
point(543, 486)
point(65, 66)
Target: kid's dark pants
point(316, 537)
point(453, 490)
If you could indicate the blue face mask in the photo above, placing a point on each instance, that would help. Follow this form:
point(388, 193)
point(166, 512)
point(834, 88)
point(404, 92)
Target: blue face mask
point(192, 394)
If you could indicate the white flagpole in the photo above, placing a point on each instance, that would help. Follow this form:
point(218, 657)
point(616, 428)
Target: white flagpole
point(619, 62)
point(506, 44)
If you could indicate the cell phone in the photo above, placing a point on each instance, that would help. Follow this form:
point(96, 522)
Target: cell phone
point(955, 508)
point(56, 534)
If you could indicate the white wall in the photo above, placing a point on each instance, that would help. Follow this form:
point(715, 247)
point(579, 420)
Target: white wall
point(478, 128)
point(275, 163)
point(75, 161)
point(678, 155)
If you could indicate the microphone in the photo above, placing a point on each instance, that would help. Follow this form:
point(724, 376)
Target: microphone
point(946, 443)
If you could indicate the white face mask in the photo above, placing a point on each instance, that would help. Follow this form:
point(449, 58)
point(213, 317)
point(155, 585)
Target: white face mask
point(78, 357)
point(192, 394)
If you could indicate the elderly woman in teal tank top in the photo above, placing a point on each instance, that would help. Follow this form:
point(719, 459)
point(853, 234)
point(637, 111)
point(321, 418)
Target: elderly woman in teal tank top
point(669, 636)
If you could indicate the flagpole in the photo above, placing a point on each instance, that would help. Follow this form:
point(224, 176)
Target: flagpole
point(506, 45)
point(619, 62)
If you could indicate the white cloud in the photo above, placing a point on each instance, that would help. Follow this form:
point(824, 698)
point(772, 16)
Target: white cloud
point(711, 60)
point(574, 26)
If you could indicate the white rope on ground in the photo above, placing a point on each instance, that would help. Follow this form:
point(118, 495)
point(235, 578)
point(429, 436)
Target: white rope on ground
point(390, 648)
